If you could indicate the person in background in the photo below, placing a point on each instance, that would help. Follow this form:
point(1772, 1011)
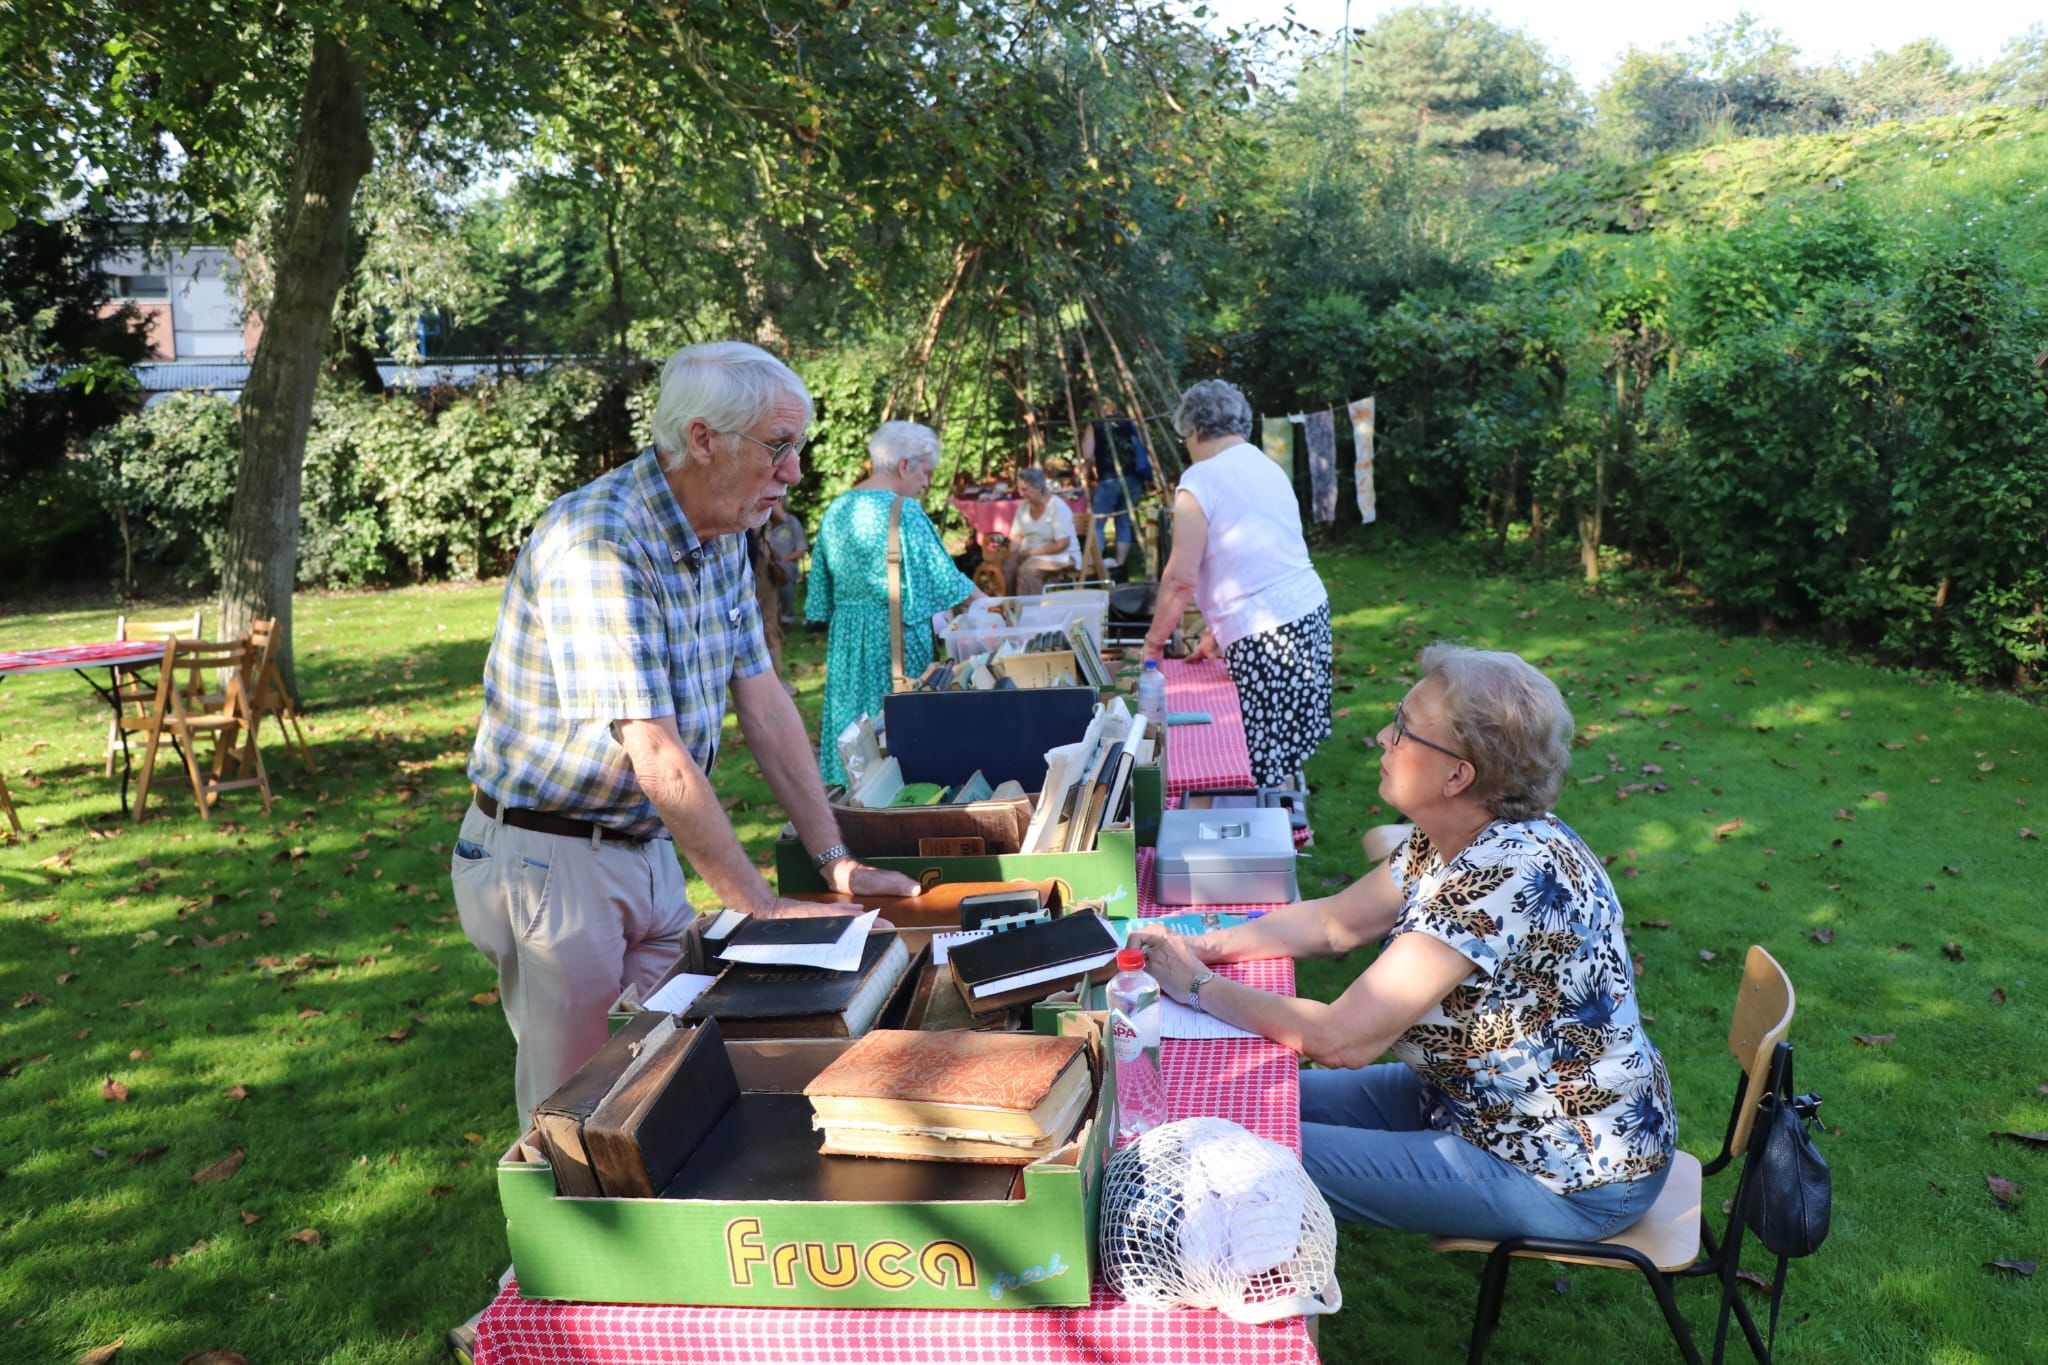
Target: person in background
point(849, 581)
point(787, 545)
point(629, 618)
point(1238, 552)
point(1525, 1097)
point(1113, 453)
point(1042, 538)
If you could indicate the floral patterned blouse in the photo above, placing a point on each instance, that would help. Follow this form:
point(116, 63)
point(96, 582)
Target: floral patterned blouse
point(1539, 1056)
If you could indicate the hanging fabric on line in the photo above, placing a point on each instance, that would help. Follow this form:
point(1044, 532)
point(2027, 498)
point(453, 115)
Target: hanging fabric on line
point(1320, 429)
point(1277, 436)
point(1361, 441)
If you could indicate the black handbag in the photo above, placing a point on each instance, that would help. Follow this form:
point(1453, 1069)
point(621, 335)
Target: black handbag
point(1789, 1213)
point(1791, 1191)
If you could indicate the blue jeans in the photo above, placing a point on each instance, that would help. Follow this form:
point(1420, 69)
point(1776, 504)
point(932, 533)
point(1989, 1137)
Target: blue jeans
point(1364, 1143)
point(1118, 496)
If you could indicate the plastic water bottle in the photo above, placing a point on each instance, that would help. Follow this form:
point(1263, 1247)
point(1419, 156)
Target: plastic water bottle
point(1152, 692)
point(1134, 1037)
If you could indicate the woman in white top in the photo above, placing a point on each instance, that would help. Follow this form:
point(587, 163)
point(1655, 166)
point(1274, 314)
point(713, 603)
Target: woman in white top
point(1042, 536)
point(1238, 553)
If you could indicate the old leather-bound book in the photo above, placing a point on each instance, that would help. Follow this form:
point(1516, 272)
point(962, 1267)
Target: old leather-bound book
point(757, 1001)
point(997, 1097)
point(559, 1118)
point(644, 1131)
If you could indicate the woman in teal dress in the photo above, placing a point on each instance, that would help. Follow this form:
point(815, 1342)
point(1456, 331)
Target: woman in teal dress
point(849, 583)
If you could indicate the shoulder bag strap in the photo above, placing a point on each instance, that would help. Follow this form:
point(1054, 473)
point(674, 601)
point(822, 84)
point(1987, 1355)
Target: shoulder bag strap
point(897, 682)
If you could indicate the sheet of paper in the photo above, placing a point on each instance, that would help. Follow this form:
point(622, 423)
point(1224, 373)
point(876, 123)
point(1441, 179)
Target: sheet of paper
point(677, 992)
point(842, 955)
point(1178, 1021)
point(943, 944)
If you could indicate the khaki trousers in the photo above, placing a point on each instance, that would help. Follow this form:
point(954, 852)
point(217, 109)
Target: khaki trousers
point(568, 922)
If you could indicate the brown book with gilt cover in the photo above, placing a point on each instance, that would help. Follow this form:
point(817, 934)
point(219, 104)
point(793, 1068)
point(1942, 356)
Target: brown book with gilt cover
point(1002, 1097)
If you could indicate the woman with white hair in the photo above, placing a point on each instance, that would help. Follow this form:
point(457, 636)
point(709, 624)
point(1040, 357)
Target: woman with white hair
point(849, 585)
point(1239, 554)
point(1526, 1097)
point(1042, 538)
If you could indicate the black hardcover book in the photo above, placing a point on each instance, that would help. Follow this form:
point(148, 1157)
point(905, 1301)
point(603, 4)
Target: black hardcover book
point(757, 932)
point(559, 1118)
point(642, 1135)
point(748, 992)
point(763, 1147)
point(1050, 955)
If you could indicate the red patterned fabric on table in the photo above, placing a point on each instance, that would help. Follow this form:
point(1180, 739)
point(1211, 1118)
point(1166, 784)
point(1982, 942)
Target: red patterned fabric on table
point(995, 516)
point(1211, 755)
point(96, 655)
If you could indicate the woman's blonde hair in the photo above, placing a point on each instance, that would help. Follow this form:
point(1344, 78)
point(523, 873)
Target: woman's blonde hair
point(1509, 721)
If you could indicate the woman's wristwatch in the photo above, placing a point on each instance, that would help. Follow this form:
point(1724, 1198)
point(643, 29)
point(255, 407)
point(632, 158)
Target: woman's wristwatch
point(1195, 991)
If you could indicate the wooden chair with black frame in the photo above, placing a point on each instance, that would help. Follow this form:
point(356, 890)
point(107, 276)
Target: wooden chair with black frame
point(1665, 1246)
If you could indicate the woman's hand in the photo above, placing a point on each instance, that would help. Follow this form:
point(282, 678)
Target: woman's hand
point(1205, 648)
point(1170, 960)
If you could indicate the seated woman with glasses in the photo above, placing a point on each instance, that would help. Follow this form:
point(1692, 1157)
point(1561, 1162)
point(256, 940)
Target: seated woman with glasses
point(849, 581)
point(1525, 1097)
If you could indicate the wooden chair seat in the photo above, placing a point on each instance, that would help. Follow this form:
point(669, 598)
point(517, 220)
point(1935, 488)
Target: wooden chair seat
point(182, 716)
point(134, 690)
point(1669, 1234)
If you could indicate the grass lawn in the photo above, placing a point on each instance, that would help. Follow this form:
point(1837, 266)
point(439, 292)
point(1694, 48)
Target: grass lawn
point(253, 1078)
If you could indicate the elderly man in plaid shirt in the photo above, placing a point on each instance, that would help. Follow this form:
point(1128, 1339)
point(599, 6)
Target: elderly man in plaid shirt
point(630, 614)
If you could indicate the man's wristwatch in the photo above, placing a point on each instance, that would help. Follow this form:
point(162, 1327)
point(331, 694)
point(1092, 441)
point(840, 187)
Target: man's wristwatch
point(827, 857)
point(1195, 990)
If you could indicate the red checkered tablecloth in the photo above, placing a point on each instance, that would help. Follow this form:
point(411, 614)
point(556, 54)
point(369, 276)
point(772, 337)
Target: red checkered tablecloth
point(99, 655)
point(995, 516)
point(1211, 755)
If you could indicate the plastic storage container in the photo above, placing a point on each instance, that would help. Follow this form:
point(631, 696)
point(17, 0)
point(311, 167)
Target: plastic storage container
point(1018, 619)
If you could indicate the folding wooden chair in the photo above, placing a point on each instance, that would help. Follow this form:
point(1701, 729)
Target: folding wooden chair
point(7, 804)
point(133, 692)
point(267, 692)
point(183, 716)
point(1664, 1246)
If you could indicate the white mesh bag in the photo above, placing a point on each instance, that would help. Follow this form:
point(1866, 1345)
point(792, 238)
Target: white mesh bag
point(1202, 1214)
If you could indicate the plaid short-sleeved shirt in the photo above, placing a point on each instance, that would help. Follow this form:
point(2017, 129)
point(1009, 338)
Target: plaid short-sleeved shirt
point(606, 619)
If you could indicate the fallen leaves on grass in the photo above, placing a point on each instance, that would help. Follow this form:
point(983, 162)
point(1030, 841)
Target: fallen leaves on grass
point(29, 998)
point(310, 1013)
point(236, 1092)
point(102, 1355)
point(1726, 828)
point(1656, 924)
point(397, 1035)
point(219, 1170)
point(2015, 1269)
point(249, 1218)
point(1708, 954)
point(306, 1237)
point(1952, 950)
point(149, 1153)
point(111, 1089)
point(1875, 1039)
point(2003, 1190)
point(2029, 1139)
point(1755, 1281)
point(1821, 936)
point(215, 1358)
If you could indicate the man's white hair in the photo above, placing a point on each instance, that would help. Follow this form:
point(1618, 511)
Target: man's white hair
point(730, 384)
point(897, 446)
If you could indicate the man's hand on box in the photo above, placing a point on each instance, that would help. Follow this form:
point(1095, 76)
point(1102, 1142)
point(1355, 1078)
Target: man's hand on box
point(858, 879)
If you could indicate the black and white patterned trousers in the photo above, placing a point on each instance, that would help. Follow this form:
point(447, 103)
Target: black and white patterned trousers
point(1283, 680)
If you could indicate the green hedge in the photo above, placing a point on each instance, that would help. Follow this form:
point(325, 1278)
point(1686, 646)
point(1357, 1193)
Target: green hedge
point(396, 488)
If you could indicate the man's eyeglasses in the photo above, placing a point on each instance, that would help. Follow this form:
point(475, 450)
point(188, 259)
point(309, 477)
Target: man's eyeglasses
point(788, 450)
point(1401, 732)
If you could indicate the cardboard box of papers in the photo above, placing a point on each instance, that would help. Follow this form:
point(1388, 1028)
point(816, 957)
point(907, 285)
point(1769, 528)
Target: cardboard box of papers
point(757, 1216)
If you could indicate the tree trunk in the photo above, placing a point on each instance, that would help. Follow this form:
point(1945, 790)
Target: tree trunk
point(332, 156)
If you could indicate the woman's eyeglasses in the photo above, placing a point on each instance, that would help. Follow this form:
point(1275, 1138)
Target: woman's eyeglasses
point(1401, 732)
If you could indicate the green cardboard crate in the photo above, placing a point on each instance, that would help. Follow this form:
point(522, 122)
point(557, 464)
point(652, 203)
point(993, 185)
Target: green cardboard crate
point(1034, 1251)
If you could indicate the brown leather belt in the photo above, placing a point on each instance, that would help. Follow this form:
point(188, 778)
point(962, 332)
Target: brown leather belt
point(540, 822)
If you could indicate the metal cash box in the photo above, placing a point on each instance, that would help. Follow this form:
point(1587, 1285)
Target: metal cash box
point(1225, 857)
